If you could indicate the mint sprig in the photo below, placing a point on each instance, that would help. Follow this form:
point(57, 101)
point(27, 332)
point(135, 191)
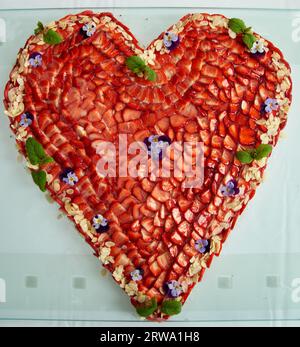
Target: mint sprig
point(171, 307)
point(35, 152)
point(50, 36)
point(239, 27)
point(138, 66)
point(147, 308)
point(40, 179)
point(247, 156)
point(39, 28)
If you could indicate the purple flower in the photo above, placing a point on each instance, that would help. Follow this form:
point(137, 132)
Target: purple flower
point(271, 105)
point(136, 275)
point(156, 145)
point(35, 59)
point(68, 176)
point(100, 223)
point(171, 40)
point(173, 288)
point(230, 189)
point(202, 246)
point(88, 29)
point(26, 119)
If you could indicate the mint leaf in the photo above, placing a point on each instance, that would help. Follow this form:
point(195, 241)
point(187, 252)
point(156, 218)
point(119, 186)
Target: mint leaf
point(249, 40)
point(171, 307)
point(40, 179)
point(147, 308)
point(244, 157)
point(150, 74)
point(237, 25)
point(35, 152)
point(262, 151)
point(31, 145)
point(52, 37)
point(39, 28)
point(47, 160)
point(136, 64)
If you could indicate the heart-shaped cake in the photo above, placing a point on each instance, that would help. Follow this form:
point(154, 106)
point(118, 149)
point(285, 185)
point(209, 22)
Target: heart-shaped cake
point(84, 80)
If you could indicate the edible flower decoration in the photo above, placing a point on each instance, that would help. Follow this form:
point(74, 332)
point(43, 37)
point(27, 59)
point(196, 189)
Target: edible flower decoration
point(69, 177)
point(247, 156)
point(88, 29)
point(171, 40)
point(35, 59)
point(173, 289)
point(230, 188)
point(258, 47)
point(202, 246)
point(100, 223)
point(156, 145)
point(270, 105)
point(26, 119)
point(137, 274)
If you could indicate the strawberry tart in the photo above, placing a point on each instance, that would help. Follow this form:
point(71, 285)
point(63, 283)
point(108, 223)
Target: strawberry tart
point(85, 79)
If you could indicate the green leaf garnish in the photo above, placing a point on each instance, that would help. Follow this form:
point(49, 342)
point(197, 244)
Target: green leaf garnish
point(237, 25)
point(40, 179)
point(263, 151)
point(138, 66)
point(249, 40)
point(135, 64)
point(246, 157)
point(150, 74)
point(147, 308)
point(39, 28)
point(47, 160)
point(52, 37)
point(35, 152)
point(171, 307)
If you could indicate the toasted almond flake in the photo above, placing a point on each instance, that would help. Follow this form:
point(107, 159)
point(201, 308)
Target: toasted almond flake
point(105, 19)
point(66, 200)
point(70, 191)
point(56, 185)
point(96, 20)
point(197, 16)
point(78, 218)
point(131, 288)
point(232, 34)
point(118, 273)
point(49, 178)
point(85, 226)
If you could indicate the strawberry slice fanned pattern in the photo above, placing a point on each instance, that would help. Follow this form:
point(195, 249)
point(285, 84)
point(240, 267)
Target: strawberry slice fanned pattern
point(206, 79)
